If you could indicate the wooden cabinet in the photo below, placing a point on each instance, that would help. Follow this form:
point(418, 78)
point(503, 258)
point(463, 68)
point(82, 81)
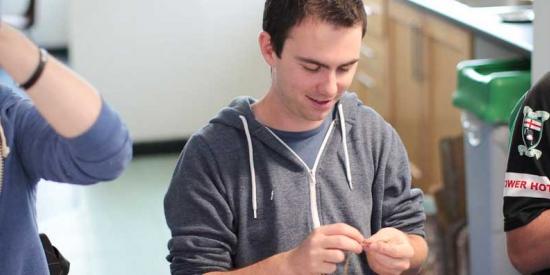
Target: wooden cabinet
point(371, 80)
point(407, 73)
point(424, 51)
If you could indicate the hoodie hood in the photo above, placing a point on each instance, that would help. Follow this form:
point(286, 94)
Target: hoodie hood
point(240, 106)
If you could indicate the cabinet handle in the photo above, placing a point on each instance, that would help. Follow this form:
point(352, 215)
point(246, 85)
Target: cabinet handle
point(417, 53)
point(366, 80)
point(367, 51)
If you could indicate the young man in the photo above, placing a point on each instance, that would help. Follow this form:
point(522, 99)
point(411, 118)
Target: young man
point(526, 185)
point(64, 133)
point(305, 178)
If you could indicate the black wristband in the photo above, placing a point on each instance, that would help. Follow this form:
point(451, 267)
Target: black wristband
point(43, 58)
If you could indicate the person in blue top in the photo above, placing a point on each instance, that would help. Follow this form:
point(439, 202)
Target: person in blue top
point(62, 132)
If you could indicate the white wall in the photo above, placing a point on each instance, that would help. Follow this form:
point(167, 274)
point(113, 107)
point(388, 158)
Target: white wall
point(541, 40)
point(50, 26)
point(51, 30)
point(484, 48)
point(13, 6)
point(168, 66)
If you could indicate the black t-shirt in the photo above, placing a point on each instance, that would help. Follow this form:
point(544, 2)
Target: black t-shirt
point(527, 183)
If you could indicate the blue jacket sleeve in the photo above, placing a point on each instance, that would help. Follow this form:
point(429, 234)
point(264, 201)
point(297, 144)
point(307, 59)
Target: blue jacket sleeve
point(99, 154)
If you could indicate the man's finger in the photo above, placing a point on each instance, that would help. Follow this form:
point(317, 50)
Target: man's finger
point(333, 256)
point(342, 242)
point(390, 249)
point(393, 265)
point(342, 229)
point(326, 268)
point(385, 234)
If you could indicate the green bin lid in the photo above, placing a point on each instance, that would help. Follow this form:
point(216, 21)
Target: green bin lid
point(490, 88)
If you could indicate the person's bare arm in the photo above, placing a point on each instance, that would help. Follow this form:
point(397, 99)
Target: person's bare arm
point(529, 245)
point(420, 253)
point(67, 102)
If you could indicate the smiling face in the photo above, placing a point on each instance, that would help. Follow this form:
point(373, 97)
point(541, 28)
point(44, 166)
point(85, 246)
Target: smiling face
point(316, 66)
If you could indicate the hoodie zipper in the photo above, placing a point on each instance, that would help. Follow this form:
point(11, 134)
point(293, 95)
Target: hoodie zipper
point(311, 175)
point(313, 199)
point(4, 151)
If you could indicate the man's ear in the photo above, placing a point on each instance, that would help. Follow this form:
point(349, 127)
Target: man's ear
point(266, 48)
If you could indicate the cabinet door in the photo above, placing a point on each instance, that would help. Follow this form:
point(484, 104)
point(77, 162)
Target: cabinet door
point(371, 79)
point(447, 46)
point(377, 17)
point(424, 52)
point(373, 94)
point(407, 78)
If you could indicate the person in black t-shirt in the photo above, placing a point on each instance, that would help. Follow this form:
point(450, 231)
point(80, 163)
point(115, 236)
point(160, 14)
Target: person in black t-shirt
point(527, 184)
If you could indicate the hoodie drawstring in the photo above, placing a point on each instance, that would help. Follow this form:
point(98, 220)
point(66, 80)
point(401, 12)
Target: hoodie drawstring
point(251, 156)
point(344, 142)
point(251, 161)
point(3, 140)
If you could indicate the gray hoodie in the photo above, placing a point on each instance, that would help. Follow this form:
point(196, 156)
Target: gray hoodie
point(239, 194)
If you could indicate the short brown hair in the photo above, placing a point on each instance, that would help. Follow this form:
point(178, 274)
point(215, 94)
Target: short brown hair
point(281, 15)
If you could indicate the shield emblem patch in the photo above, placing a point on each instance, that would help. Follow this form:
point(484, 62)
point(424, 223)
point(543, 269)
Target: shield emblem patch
point(531, 131)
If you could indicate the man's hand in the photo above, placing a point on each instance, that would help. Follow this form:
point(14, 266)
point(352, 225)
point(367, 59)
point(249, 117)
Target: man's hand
point(324, 248)
point(389, 251)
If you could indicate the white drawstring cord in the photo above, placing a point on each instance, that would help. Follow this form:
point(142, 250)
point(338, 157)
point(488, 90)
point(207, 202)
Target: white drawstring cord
point(344, 141)
point(5, 148)
point(251, 160)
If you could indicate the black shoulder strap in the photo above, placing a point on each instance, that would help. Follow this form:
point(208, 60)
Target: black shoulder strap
point(57, 264)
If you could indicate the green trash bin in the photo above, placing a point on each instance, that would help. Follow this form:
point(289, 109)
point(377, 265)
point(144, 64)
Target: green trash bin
point(490, 89)
point(487, 91)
